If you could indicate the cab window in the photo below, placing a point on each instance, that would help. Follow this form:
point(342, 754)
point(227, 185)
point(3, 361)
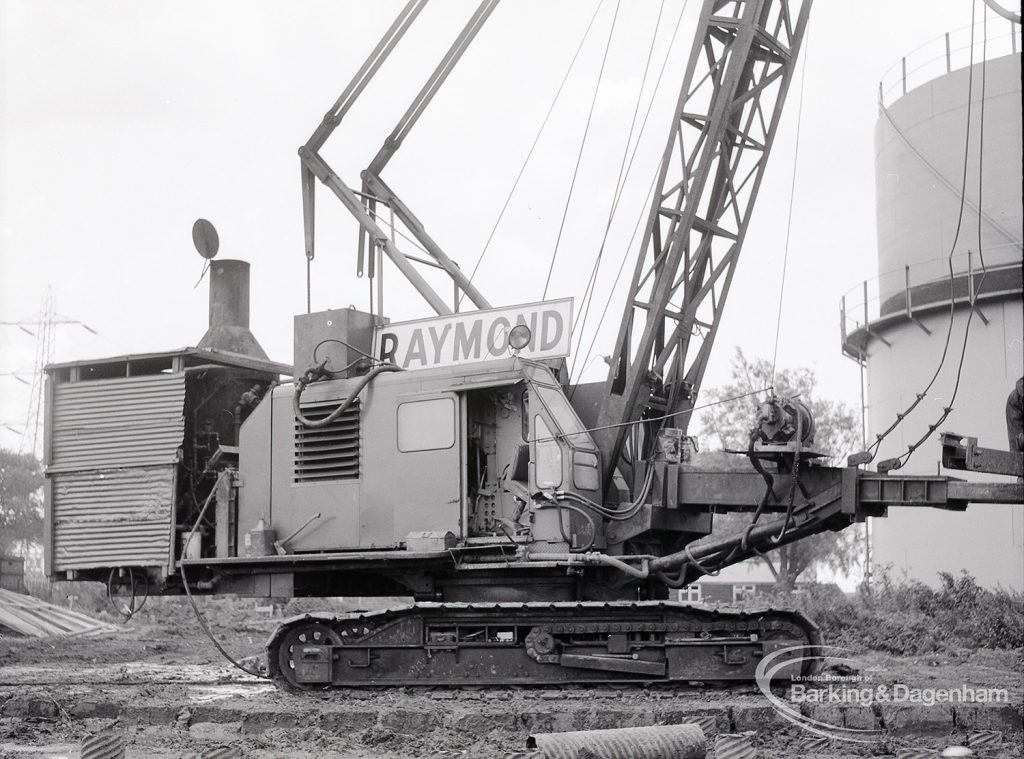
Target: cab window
point(427, 425)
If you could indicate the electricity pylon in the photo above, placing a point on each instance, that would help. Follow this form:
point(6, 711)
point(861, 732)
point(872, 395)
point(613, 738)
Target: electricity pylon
point(44, 323)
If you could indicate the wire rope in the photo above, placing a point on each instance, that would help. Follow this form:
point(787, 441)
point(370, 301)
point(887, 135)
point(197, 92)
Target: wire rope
point(583, 144)
point(646, 420)
point(533, 146)
point(792, 196)
point(647, 199)
point(620, 183)
point(134, 606)
point(900, 416)
point(188, 591)
point(902, 459)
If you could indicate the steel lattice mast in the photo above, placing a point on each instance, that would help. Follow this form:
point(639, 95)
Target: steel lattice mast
point(725, 121)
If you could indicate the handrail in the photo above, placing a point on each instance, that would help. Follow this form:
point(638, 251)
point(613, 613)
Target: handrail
point(861, 305)
point(938, 265)
point(945, 54)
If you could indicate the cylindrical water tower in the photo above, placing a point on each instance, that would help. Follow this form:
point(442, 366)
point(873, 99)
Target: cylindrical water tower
point(897, 324)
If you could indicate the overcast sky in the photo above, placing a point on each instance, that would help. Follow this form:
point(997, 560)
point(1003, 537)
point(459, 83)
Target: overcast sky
point(122, 122)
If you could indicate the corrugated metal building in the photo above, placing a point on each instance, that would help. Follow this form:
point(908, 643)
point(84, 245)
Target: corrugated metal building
point(127, 441)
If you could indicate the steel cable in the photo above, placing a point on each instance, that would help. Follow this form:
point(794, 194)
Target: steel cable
point(900, 416)
point(620, 184)
point(130, 609)
point(792, 195)
point(188, 591)
point(536, 139)
point(583, 144)
point(902, 459)
point(650, 191)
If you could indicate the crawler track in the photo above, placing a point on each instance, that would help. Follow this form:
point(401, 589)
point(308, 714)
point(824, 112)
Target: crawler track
point(545, 644)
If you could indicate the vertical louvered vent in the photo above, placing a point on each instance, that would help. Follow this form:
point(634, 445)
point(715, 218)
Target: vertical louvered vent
point(331, 452)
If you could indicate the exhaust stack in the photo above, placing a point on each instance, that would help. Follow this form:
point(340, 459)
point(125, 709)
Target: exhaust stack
point(229, 310)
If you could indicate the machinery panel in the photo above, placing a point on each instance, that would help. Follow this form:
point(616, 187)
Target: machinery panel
point(338, 334)
point(390, 466)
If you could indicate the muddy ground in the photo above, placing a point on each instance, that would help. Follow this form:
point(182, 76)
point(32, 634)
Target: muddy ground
point(165, 687)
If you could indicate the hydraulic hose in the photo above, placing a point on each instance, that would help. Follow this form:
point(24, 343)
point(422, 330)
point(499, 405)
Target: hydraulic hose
point(592, 558)
point(561, 526)
point(710, 553)
point(795, 479)
point(131, 608)
point(557, 504)
point(363, 382)
point(617, 514)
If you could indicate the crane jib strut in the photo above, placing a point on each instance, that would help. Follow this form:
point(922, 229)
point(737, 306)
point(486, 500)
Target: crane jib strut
point(363, 206)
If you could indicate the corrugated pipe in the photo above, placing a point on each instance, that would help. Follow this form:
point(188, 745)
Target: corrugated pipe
point(657, 742)
point(105, 744)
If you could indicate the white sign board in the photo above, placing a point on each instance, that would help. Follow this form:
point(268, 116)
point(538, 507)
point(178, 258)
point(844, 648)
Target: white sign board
point(476, 336)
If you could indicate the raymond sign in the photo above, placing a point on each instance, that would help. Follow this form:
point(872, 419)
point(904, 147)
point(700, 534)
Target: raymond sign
point(476, 336)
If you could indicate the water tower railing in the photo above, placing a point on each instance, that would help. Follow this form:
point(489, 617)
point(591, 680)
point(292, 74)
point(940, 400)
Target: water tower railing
point(946, 54)
point(904, 291)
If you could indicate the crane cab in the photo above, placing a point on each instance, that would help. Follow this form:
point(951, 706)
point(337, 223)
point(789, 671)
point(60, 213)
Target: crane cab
point(452, 453)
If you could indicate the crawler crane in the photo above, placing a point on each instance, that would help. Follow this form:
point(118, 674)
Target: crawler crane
point(539, 525)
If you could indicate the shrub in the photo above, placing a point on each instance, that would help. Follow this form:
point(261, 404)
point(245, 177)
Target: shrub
point(909, 618)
